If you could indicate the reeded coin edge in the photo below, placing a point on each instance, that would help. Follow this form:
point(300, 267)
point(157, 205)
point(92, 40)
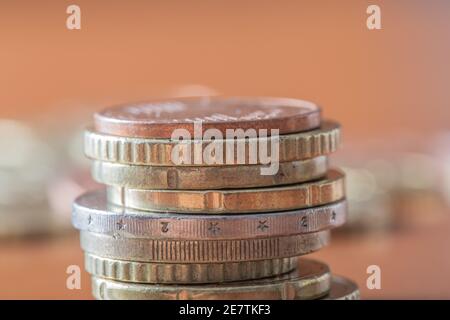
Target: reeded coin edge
point(127, 150)
point(139, 224)
point(201, 251)
point(146, 272)
point(311, 284)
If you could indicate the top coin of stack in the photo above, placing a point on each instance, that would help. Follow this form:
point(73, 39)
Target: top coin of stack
point(210, 190)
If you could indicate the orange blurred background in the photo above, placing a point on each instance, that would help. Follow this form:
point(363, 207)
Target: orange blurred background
point(388, 85)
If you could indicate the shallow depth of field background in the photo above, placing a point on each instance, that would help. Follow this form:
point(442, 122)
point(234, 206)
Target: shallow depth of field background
point(389, 88)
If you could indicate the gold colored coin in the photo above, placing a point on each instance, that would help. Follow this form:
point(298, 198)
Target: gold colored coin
point(343, 289)
point(118, 246)
point(304, 195)
point(292, 147)
point(188, 273)
point(310, 281)
point(199, 178)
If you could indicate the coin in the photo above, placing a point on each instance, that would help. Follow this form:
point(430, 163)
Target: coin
point(319, 192)
point(91, 213)
point(292, 147)
point(159, 119)
point(343, 289)
point(118, 246)
point(194, 273)
point(311, 281)
point(220, 177)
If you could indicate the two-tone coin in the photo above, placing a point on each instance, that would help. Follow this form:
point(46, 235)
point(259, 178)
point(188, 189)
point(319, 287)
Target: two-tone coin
point(118, 246)
point(187, 273)
point(91, 213)
point(312, 281)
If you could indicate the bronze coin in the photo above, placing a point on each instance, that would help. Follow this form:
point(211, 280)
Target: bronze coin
point(158, 119)
point(159, 152)
point(311, 281)
point(186, 273)
point(265, 199)
point(208, 177)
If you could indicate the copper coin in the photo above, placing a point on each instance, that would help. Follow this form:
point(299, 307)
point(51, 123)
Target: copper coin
point(266, 199)
point(311, 281)
point(158, 119)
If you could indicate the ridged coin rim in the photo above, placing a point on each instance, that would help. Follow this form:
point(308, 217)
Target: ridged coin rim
point(117, 246)
point(91, 213)
point(188, 273)
point(292, 147)
point(310, 281)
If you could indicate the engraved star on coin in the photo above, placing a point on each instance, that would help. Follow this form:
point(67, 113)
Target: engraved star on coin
point(121, 225)
point(262, 225)
point(213, 227)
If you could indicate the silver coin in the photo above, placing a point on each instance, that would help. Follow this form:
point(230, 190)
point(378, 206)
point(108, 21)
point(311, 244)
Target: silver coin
point(92, 213)
point(118, 246)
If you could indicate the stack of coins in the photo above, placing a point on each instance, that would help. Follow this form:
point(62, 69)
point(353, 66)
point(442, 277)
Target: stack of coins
point(212, 198)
